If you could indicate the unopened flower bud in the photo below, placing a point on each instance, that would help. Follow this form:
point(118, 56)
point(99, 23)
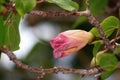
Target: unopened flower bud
point(69, 42)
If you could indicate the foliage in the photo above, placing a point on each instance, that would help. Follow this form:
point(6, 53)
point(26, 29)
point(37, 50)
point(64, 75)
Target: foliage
point(8, 30)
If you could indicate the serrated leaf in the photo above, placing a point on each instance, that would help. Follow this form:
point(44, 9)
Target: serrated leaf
point(107, 61)
point(108, 25)
point(12, 37)
point(97, 45)
point(24, 6)
point(65, 4)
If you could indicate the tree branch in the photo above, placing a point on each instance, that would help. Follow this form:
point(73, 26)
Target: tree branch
point(41, 71)
point(58, 13)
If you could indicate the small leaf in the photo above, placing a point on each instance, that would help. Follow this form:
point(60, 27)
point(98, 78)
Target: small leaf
point(108, 25)
point(97, 45)
point(24, 6)
point(107, 61)
point(65, 4)
point(117, 50)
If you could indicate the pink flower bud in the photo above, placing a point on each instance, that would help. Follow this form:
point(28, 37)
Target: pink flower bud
point(69, 42)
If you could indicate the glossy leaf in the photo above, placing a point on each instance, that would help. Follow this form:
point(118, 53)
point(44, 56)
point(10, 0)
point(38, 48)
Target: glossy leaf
point(108, 25)
point(97, 45)
point(65, 4)
point(107, 61)
point(24, 6)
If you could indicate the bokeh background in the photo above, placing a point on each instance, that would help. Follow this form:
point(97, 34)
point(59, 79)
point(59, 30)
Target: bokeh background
point(36, 32)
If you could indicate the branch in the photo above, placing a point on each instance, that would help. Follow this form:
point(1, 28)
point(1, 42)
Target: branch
point(42, 72)
point(94, 22)
point(58, 13)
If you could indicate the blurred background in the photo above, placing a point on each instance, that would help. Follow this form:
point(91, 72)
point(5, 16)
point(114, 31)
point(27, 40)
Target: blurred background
point(37, 31)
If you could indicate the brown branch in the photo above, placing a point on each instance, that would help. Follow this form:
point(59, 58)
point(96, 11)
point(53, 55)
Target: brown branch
point(58, 13)
point(94, 22)
point(12, 57)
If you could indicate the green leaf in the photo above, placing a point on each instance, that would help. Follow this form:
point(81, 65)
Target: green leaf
point(12, 37)
point(9, 33)
point(108, 25)
point(24, 6)
point(107, 61)
point(117, 50)
point(97, 45)
point(65, 4)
